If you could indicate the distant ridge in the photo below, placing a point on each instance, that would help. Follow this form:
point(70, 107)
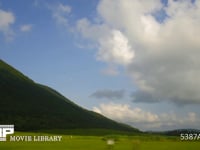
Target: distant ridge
point(177, 132)
point(31, 106)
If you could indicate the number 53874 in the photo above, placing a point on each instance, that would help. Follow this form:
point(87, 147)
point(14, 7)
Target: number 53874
point(189, 136)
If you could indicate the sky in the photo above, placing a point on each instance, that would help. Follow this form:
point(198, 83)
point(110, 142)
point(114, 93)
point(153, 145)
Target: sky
point(134, 61)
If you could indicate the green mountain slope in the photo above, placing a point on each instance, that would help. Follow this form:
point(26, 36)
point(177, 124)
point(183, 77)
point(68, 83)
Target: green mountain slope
point(31, 106)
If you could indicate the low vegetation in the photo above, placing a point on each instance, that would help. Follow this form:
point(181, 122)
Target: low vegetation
point(122, 142)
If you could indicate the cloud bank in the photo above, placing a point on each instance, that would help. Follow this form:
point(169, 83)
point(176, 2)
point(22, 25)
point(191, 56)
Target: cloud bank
point(158, 44)
point(146, 120)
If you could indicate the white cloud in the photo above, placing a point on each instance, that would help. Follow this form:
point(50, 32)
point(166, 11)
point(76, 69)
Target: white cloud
point(6, 20)
point(90, 31)
point(113, 46)
point(61, 13)
point(162, 57)
point(146, 120)
point(115, 49)
point(123, 112)
point(26, 28)
point(167, 68)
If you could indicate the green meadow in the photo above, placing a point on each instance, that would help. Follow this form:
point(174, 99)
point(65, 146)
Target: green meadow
point(122, 142)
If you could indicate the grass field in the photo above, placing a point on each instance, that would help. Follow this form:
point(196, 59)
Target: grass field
point(75, 142)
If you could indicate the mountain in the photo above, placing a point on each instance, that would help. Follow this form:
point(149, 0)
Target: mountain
point(32, 106)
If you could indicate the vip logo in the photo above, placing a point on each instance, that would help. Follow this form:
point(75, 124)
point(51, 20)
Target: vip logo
point(4, 130)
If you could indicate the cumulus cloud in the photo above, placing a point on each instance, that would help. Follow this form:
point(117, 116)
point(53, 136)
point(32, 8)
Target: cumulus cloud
point(167, 68)
point(146, 120)
point(160, 56)
point(109, 94)
point(60, 13)
point(26, 27)
point(6, 20)
point(113, 46)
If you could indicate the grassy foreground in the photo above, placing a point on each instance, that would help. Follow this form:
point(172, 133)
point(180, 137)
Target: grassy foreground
point(75, 142)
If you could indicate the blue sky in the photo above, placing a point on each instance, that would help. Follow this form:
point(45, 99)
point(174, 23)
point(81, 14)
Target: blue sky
point(133, 61)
